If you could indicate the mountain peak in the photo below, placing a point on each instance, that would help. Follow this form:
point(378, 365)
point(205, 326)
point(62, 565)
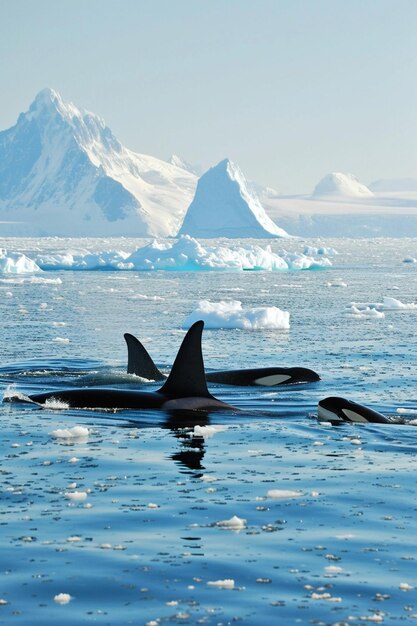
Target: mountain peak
point(47, 95)
point(46, 100)
point(62, 171)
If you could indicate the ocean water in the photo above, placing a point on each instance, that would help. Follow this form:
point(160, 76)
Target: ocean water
point(125, 520)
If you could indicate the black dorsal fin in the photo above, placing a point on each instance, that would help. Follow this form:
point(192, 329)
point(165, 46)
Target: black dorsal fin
point(139, 361)
point(187, 378)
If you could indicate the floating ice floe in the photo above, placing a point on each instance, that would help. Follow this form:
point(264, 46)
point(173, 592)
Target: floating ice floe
point(376, 309)
point(406, 587)
point(321, 251)
point(16, 263)
point(76, 496)
point(365, 312)
point(337, 282)
point(32, 280)
point(278, 494)
point(84, 260)
point(60, 340)
point(230, 314)
point(74, 433)
point(392, 304)
point(227, 583)
point(62, 598)
point(234, 523)
point(185, 254)
point(207, 431)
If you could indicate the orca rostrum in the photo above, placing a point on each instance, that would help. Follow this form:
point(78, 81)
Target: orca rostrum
point(336, 410)
point(185, 388)
point(140, 363)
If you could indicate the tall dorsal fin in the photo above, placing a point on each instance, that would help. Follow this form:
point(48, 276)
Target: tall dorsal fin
point(187, 378)
point(139, 361)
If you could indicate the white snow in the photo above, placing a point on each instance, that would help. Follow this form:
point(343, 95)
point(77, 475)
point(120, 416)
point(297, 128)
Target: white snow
point(178, 161)
point(231, 314)
point(223, 206)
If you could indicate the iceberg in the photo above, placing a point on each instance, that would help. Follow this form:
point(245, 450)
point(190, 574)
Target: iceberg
point(223, 206)
point(16, 263)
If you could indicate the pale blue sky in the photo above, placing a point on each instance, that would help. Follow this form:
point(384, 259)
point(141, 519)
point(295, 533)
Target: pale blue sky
point(289, 89)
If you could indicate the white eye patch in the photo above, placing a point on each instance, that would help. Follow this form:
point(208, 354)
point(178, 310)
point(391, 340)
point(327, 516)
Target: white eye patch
point(270, 381)
point(353, 416)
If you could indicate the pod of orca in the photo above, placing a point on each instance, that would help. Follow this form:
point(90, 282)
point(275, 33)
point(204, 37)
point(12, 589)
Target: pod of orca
point(140, 363)
point(185, 388)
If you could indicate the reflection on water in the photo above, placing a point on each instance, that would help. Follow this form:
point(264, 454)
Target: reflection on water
point(181, 424)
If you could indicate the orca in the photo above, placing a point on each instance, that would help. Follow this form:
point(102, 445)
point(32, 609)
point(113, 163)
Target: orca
point(336, 410)
point(184, 389)
point(140, 363)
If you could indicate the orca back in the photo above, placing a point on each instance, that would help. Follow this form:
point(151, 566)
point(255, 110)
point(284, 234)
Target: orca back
point(139, 361)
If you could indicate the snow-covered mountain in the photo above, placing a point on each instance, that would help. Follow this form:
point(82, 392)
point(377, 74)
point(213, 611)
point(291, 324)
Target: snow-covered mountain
point(224, 207)
point(63, 172)
point(178, 161)
point(338, 185)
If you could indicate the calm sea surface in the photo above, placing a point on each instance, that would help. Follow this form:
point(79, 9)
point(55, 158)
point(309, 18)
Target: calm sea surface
point(330, 513)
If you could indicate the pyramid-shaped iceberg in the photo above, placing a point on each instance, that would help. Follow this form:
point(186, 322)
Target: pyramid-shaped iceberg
point(224, 207)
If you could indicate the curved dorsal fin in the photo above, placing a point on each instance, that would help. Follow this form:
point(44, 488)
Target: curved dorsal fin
point(139, 361)
point(187, 378)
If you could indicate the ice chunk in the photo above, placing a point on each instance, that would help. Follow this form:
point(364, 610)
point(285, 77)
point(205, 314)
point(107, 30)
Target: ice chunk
point(230, 314)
